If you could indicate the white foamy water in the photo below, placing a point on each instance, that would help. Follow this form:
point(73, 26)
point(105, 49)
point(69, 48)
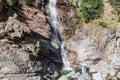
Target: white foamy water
point(65, 59)
point(53, 11)
point(53, 16)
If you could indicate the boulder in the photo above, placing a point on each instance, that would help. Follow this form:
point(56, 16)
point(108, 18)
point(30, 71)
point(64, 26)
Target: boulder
point(97, 76)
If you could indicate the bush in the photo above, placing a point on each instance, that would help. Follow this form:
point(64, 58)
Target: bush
point(91, 9)
point(73, 2)
point(103, 24)
point(116, 5)
point(29, 2)
point(11, 2)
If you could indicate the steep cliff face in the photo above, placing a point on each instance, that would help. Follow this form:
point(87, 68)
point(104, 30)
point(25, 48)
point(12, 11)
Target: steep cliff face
point(28, 50)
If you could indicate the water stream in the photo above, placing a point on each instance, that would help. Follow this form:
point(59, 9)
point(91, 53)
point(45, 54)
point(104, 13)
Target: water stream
point(55, 32)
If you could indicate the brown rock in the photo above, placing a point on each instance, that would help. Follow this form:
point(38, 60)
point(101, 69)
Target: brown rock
point(1, 5)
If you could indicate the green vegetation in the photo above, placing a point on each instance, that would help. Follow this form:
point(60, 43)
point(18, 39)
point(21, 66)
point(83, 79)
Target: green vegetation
point(78, 70)
point(91, 9)
point(103, 24)
point(88, 9)
point(29, 2)
point(11, 2)
point(74, 2)
point(116, 5)
point(64, 72)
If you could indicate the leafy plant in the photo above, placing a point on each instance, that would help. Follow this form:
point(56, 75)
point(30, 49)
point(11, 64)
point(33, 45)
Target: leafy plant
point(64, 72)
point(91, 9)
point(78, 70)
point(29, 2)
point(116, 5)
point(74, 2)
point(11, 2)
point(103, 24)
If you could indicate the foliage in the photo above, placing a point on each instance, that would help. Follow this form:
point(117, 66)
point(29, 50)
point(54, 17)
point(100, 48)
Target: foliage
point(64, 72)
point(116, 5)
point(91, 9)
point(74, 2)
point(11, 2)
point(103, 24)
point(78, 70)
point(29, 1)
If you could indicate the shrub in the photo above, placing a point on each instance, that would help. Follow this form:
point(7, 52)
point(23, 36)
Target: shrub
point(11, 2)
point(103, 24)
point(116, 5)
point(91, 9)
point(74, 2)
point(29, 2)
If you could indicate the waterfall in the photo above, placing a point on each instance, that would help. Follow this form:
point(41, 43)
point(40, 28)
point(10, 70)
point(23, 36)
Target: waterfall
point(55, 32)
point(53, 18)
point(65, 59)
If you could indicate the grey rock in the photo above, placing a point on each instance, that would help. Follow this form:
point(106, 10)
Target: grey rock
point(97, 76)
point(87, 52)
point(84, 69)
point(116, 59)
point(78, 76)
point(22, 77)
point(71, 74)
point(103, 67)
point(63, 78)
point(118, 75)
point(92, 68)
point(86, 76)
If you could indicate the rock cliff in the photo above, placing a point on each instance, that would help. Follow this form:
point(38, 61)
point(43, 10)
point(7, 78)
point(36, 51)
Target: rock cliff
point(28, 50)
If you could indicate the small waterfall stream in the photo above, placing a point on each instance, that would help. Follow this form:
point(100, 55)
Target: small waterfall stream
point(55, 32)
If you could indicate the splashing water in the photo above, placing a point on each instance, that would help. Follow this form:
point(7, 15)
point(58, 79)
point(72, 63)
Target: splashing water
point(65, 59)
point(53, 17)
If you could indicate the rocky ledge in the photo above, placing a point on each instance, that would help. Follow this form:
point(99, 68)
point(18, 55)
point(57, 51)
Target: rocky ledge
point(25, 54)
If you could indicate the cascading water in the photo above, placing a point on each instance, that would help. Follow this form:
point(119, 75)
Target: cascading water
point(53, 18)
point(55, 32)
point(65, 59)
